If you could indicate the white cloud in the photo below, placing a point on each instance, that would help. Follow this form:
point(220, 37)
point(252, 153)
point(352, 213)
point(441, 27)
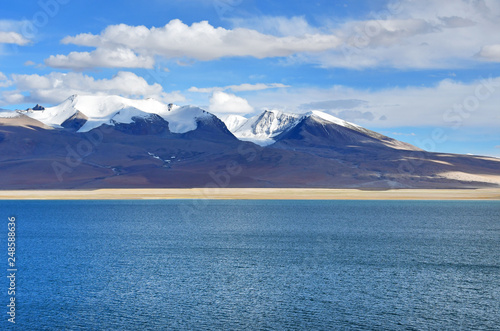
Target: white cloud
point(56, 87)
point(101, 57)
point(205, 89)
point(490, 53)
point(200, 41)
point(427, 34)
point(238, 88)
point(9, 37)
point(255, 87)
point(404, 34)
point(11, 32)
point(450, 103)
point(223, 103)
point(11, 97)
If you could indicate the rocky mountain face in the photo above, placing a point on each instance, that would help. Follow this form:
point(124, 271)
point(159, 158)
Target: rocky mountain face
point(113, 142)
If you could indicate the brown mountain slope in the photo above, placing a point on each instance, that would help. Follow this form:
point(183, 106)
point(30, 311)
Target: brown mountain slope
point(33, 156)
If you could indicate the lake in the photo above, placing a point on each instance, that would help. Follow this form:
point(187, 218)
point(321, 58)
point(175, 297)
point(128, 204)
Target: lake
point(214, 264)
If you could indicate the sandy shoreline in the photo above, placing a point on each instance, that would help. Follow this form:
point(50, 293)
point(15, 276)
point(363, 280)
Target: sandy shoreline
point(253, 194)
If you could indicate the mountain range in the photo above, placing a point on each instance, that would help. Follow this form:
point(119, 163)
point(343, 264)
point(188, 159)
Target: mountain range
point(89, 142)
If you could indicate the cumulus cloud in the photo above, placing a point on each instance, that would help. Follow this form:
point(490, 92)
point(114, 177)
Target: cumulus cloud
point(423, 34)
point(223, 103)
point(490, 53)
point(200, 41)
point(404, 34)
point(10, 32)
point(9, 37)
point(238, 88)
point(56, 87)
point(102, 57)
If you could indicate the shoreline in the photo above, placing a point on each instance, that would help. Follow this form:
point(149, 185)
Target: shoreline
point(253, 194)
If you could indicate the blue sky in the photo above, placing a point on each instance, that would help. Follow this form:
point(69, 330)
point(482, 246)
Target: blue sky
point(426, 72)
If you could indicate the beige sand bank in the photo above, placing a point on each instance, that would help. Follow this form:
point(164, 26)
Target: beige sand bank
point(253, 193)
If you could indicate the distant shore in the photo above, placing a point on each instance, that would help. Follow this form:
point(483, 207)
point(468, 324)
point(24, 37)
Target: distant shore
point(254, 194)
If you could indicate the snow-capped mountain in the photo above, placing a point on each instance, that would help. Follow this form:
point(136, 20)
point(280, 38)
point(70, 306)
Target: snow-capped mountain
point(317, 128)
point(272, 125)
point(150, 144)
point(84, 113)
point(94, 111)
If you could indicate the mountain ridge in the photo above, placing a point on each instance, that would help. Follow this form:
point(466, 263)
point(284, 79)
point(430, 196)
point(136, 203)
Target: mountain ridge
point(147, 144)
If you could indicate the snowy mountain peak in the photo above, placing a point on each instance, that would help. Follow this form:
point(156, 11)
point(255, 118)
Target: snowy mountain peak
point(330, 118)
point(73, 97)
point(273, 122)
point(99, 110)
point(262, 128)
point(83, 113)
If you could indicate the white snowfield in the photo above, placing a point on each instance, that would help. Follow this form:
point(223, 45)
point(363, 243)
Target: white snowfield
point(115, 109)
point(233, 122)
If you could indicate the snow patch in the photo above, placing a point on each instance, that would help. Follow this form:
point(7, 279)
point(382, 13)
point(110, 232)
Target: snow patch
point(184, 119)
point(234, 122)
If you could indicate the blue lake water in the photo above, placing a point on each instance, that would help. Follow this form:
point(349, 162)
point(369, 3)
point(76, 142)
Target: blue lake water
point(220, 265)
